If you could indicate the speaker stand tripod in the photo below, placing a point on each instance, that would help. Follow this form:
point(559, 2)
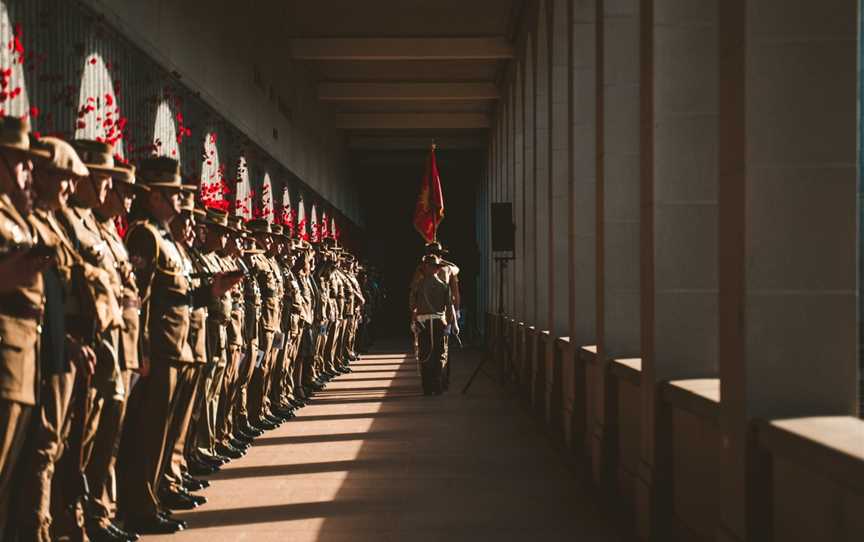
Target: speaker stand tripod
point(502, 265)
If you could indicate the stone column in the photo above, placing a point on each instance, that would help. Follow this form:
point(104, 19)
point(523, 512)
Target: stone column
point(558, 225)
point(529, 85)
point(617, 49)
point(518, 265)
point(788, 245)
point(582, 163)
point(679, 227)
point(541, 169)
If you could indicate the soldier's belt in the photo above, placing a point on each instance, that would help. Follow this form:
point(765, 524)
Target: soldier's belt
point(131, 302)
point(174, 299)
point(20, 308)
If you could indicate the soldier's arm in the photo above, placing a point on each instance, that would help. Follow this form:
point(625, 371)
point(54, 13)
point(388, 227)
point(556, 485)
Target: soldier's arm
point(142, 253)
point(454, 291)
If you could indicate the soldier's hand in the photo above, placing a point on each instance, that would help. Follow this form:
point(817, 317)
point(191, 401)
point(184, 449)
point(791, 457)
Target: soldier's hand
point(19, 269)
point(82, 356)
point(223, 282)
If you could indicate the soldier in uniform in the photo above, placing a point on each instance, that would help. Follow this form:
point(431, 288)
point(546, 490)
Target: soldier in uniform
point(227, 431)
point(449, 273)
point(327, 314)
point(253, 306)
point(167, 297)
point(429, 300)
point(54, 182)
point(176, 483)
point(305, 343)
point(21, 299)
point(282, 394)
point(217, 234)
point(266, 271)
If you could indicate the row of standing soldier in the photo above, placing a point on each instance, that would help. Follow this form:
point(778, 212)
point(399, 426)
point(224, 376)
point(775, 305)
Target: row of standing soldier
point(129, 367)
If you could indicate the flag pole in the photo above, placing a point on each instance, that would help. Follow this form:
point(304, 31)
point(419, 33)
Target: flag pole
point(435, 228)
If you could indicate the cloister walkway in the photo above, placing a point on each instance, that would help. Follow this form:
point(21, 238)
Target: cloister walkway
point(373, 459)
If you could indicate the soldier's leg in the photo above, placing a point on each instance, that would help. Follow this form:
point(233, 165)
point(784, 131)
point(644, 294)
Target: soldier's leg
point(424, 354)
point(141, 473)
point(227, 400)
point(178, 429)
point(214, 394)
point(256, 388)
point(247, 368)
point(103, 448)
point(39, 457)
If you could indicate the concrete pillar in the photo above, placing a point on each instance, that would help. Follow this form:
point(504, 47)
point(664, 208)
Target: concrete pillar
point(541, 169)
point(559, 286)
point(530, 224)
point(616, 104)
point(518, 266)
point(679, 227)
point(788, 155)
point(581, 154)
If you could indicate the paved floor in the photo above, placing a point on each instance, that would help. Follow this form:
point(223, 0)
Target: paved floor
point(373, 459)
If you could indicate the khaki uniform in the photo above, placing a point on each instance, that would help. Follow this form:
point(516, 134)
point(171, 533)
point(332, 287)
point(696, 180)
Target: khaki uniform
point(187, 396)
point(107, 385)
point(252, 308)
point(337, 294)
point(270, 281)
point(36, 472)
point(168, 298)
point(228, 395)
point(283, 389)
point(218, 318)
point(326, 314)
point(101, 472)
point(304, 353)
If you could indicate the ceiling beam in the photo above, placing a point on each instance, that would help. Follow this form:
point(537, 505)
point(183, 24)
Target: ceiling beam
point(407, 91)
point(365, 142)
point(401, 48)
point(412, 121)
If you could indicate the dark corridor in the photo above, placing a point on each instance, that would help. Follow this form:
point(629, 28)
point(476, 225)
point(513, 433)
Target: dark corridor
point(389, 184)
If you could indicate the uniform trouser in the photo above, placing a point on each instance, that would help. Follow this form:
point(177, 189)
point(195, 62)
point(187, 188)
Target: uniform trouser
point(210, 388)
point(244, 377)
point(284, 381)
point(14, 418)
point(179, 428)
point(320, 334)
point(48, 433)
point(101, 469)
point(432, 351)
point(302, 359)
point(334, 342)
point(143, 454)
point(258, 401)
point(228, 398)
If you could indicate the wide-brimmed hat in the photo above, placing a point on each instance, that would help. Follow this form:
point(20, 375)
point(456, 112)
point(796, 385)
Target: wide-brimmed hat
point(98, 157)
point(431, 258)
point(237, 226)
point(217, 218)
point(126, 174)
point(189, 205)
point(15, 136)
point(62, 158)
point(435, 248)
point(161, 172)
point(259, 225)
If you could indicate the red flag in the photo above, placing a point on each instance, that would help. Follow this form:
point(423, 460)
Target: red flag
point(430, 203)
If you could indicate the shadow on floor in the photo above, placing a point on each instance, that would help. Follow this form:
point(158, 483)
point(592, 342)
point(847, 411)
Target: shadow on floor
point(332, 437)
point(298, 468)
